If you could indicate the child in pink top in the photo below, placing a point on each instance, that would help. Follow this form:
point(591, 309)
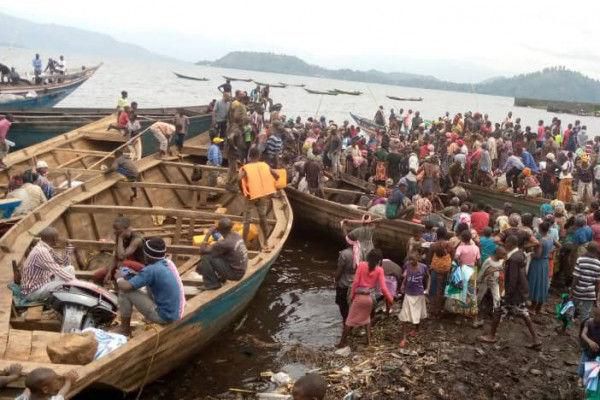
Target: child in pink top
point(369, 276)
point(467, 253)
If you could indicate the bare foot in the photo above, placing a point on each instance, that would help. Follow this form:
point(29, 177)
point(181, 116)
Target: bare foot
point(487, 339)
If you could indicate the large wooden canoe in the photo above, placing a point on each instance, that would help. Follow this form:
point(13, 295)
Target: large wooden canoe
point(34, 126)
point(328, 93)
point(31, 95)
point(324, 215)
point(497, 199)
point(85, 214)
point(231, 79)
point(366, 124)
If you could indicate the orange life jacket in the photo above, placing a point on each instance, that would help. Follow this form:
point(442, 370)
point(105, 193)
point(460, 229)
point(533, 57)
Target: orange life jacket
point(258, 181)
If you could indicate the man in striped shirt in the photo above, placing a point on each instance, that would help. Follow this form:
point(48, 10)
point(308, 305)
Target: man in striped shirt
point(45, 269)
point(586, 281)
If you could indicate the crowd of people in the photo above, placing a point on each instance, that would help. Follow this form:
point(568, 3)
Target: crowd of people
point(468, 257)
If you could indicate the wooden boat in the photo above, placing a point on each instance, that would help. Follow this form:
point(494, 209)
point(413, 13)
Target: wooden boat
point(329, 93)
point(324, 215)
point(353, 93)
point(366, 124)
point(34, 126)
point(192, 78)
point(85, 215)
point(229, 78)
point(30, 95)
point(405, 98)
point(76, 155)
point(280, 85)
point(301, 85)
point(497, 199)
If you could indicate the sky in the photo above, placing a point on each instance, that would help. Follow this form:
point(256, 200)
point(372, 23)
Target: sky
point(458, 40)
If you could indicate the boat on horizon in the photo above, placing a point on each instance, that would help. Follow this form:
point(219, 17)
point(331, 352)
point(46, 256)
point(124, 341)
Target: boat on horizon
point(328, 93)
point(229, 78)
point(351, 93)
point(301, 85)
point(273, 85)
point(191, 78)
point(405, 98)
point(27, 95)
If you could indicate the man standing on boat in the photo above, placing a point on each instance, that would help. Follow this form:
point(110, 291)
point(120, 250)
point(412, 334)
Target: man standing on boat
point(235, 141)
point(61, 65)
point(219, 115)
point(37, 68)
point(5, 124)
point(379, 118)
point(226, 87)
point(122, 102)
point(164, 299)
point(226, 259)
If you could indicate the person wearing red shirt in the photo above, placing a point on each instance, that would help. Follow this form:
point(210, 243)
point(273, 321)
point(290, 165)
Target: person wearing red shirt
point(5, 124)
point(122, 121)
point(480, 219)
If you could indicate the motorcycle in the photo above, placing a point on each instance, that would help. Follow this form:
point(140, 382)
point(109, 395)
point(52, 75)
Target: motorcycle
point(83, 305)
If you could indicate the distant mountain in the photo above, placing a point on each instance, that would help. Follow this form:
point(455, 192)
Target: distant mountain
point(18, 32)
point(557, 83)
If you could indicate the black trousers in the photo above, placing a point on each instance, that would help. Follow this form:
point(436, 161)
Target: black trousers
point(512, 177)
point(222, 129)
point(215, 271)
point(341, 299)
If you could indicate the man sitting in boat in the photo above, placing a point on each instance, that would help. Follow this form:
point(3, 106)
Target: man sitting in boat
point(41, 167)
point(163, 301)
point(126, 167)
point(129, 251)
point(226, 259)
point(30, 194)
point(45, 268)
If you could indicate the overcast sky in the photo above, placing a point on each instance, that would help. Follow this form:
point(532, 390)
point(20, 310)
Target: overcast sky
point(459, 40)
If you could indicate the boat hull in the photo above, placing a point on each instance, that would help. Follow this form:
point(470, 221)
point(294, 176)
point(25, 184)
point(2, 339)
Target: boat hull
point(497, 199)
point(317, 214)
point(179, 342)
point(29, 129)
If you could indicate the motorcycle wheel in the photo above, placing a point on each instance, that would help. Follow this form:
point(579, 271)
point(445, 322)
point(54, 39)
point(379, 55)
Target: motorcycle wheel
point(73, 317)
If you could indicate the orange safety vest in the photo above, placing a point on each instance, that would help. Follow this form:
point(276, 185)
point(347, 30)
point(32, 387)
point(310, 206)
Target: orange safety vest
point(258, 181)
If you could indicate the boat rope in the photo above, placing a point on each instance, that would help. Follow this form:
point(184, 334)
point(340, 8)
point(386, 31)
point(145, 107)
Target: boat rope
point(145, 380)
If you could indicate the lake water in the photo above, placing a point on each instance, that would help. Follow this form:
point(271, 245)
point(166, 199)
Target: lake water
point(153, 84)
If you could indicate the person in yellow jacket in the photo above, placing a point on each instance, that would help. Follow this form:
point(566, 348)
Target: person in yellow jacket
point(258, 184)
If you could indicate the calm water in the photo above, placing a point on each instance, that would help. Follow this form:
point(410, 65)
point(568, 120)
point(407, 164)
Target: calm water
point(153, 84)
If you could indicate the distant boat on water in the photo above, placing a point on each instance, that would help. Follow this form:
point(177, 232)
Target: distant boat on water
point(405, 98)
point(273, 85)
point(352, 93)
point(30, 95)
point(301, 85)
point(329, 93)
point(191, 78)
point(229, 78)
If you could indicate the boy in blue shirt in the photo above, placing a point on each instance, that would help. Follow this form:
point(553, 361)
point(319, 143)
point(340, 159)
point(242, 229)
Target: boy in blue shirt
point(165, 299)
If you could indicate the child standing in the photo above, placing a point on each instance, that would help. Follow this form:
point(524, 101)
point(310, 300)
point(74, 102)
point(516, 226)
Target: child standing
point(414, 306)
point(488, 277)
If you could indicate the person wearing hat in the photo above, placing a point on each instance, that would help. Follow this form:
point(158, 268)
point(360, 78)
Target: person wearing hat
point(226, 259)
point(214, 158)
point(41, 167)
point(164, 299)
